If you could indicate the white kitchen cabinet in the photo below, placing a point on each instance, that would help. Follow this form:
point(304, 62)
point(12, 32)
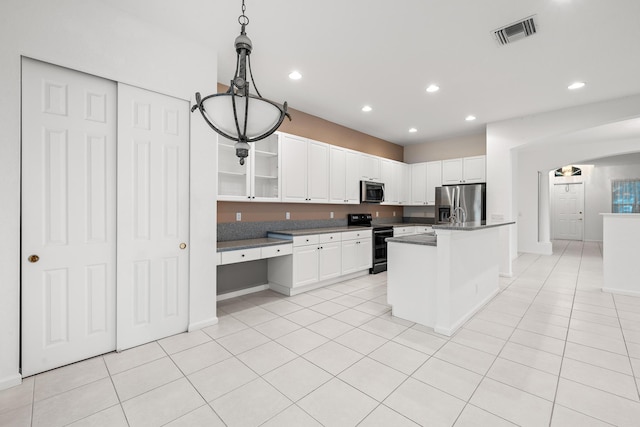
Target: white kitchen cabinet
point(466, 170)
point(388, 177)
point(305, 265)
point(344, 176)
point(404, 183)
point(329, 260)
point(403, 230)
point(419, 184)
point(434, 179)
point(369, 167)
point(357, 252)
point(305, 170)
point(258, 179)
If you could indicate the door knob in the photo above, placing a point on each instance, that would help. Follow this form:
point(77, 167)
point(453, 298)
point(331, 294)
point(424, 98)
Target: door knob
point(33, 258)
point(183, 245)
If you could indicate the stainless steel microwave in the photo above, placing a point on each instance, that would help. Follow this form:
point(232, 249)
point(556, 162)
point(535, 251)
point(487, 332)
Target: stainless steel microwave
point(371, 192)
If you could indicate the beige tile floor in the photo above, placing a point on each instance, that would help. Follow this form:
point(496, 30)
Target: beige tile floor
point(550, 349)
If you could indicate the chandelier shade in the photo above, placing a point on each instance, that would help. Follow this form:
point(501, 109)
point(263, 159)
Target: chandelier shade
point(229, 120)
point(237, 114)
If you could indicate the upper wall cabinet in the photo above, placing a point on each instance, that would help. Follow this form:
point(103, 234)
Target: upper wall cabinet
point(388, 176)
point(369, 167)
point(425, 177)
point(305, 170)
point(467, 170)
point(344, 176)
point(258, 179)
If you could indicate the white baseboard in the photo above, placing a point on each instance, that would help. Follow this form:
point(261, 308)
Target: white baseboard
point(202, 324)
point(241, 292)
point(621, 292)
point(11, 381)
point(448, 331)
point(289, 291)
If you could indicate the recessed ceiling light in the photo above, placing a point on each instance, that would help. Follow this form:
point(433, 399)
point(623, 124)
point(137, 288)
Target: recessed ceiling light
point(470, 118)
point(366, 108)
point(295, 75)
point(413, 130)
point(433, 88)
point(576, 85)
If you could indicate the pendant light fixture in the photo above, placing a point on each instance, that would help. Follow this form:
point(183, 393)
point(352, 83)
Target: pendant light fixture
point(237, 114)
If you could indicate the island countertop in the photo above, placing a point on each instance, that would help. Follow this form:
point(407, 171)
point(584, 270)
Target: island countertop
point(426, 239)
point(470, 226)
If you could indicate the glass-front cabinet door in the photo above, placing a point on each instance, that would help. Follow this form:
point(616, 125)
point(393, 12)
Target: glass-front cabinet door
point(266, 169)
point(258, 179)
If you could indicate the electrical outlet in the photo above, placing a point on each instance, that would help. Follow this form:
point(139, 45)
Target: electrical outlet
point(287, 215)
point(331, 215)
point(394, 213)
point(238, 216)
point(377, 214)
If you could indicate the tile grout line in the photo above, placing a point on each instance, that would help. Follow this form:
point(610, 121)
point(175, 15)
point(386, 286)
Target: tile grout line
point(564, 347)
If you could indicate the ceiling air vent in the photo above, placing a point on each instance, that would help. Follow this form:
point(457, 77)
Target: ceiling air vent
point(515, 31)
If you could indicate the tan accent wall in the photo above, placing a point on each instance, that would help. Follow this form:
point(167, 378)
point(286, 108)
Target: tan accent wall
point(465, 146)
point(254, 211)
point(313, 127)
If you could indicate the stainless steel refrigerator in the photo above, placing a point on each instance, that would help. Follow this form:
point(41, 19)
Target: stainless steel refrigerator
point(470, 197)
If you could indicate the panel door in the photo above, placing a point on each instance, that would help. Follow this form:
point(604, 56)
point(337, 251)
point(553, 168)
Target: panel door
point(569, 208)
point(318, 172)
point(153, 216)
point(350, 256)
point(451, 171)
point(68, 216)
point(365, 254)
point(434, 179)
point(294, 169)
point(330, 260)
point(352, 183)
point(474, 170)
point(305, 265)
point(418, 183)
point(337, 175)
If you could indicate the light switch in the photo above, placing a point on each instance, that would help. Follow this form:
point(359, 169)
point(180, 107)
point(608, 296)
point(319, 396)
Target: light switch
point(238, 216)
point(287, 215)
point(331, 215)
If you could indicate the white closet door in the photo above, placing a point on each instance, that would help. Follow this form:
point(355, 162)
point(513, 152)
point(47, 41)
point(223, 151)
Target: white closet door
point(68, 216)
point(153, 216)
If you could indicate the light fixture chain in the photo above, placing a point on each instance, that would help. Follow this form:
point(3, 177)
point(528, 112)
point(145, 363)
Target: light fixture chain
point(243, 19)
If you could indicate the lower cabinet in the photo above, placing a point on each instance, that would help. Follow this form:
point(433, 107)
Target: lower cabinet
point(356, 253)
point(320, 260)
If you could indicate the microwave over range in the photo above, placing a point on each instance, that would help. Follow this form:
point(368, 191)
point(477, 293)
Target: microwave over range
point(371, 192)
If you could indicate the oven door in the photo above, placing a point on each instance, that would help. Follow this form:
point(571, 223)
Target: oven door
point(380, 249)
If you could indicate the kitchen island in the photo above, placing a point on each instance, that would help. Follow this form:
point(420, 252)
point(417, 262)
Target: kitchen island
point(441, 280)
point(620, 248)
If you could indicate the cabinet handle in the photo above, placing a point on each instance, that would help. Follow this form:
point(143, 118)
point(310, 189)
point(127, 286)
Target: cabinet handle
point(277, 250)
point(242, 255)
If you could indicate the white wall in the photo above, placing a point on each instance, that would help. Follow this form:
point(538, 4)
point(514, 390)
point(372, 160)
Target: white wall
point(518, 149)
point(452, 148)
point(89, 36)
point(597, 189)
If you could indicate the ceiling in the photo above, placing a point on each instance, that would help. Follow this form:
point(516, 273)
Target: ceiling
point(384, 54)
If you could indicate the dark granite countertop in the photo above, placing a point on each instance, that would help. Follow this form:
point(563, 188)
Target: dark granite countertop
point(232, 245)
point(470, 226)
point(308, 231)
point(416, 239)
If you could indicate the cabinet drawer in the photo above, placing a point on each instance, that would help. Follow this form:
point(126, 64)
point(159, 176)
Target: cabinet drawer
point(311, 239)
point(352, 235)
point(424, 229)
point(277, 250)
point(231, 257)
point(331, 237)
point(402, 231)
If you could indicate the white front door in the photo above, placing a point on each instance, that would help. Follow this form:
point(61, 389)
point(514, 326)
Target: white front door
point(68, 216)
point(153, 216)
point(569, 208)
